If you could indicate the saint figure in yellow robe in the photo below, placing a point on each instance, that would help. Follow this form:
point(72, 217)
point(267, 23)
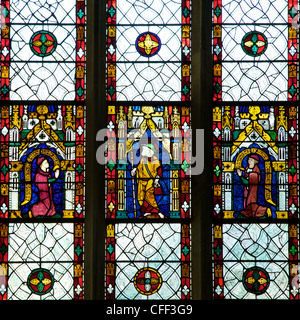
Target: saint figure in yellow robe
point(148, 173)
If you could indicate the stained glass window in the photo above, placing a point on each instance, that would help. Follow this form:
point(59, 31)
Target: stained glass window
point(256, 149)
point(147, 178)
point(42, 142)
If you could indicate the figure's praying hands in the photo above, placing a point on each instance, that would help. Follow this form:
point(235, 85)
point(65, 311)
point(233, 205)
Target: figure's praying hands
point(56, 173)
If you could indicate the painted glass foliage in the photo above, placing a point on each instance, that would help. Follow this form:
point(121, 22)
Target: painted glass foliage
point(256, 149)
point(42, 149)
point(148, 152)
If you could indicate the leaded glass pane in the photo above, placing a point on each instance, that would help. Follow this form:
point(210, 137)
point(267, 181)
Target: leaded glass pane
point(168, 289)
point(51, 33)
point(147, 172)
point(42, 140)
point(37, 12)
point(156, 12)
point(155, 245)
point(256, 150)
point(273, 276)
point(157, 242)
point(255, 242)
point(152, 40)
point(254, 49)
point(41, 261)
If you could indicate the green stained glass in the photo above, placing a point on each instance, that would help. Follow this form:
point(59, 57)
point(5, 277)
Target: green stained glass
point(43, 43)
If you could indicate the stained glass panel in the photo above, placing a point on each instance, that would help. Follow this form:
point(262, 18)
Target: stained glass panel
point(255, 50)
point(132, 191)
point(256, 151)
point(59, 45)
point(163, 35)
point(42, 168)
point(48, 248)
point(148, 251)
point(148, 150)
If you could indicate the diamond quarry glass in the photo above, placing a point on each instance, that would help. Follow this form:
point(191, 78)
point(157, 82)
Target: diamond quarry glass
point(147, 180)
point(256, 149)
point(42, 143)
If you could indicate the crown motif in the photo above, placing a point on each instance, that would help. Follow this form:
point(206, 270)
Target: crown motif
point(218, 271)
point(217, 70)
point(217, 31)
point(3, 230)
point(217, 114)
point(263, 116)
point(110, 231)
point(218, 232)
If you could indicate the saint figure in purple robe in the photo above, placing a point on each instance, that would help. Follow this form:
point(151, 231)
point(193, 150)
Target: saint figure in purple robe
point(251, 180)
point(43, 180)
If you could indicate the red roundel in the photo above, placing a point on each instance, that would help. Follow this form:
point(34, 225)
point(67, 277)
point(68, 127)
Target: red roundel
point(40, 281)
point(254, 43)
point(256, 280)
point(43, 43)
point(147, 281)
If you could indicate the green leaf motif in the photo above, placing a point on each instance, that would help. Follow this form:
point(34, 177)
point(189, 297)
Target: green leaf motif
point(40, 287)
point(80, 13)
point(217, 170)
point(217, 11)
point(110, 249)
point(292, 170)
point(185, 251)
point(40, 276)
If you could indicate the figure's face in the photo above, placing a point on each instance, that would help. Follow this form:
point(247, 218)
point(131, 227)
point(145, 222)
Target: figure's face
point(45, 165)
point(147, 152)
point(251, 163)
